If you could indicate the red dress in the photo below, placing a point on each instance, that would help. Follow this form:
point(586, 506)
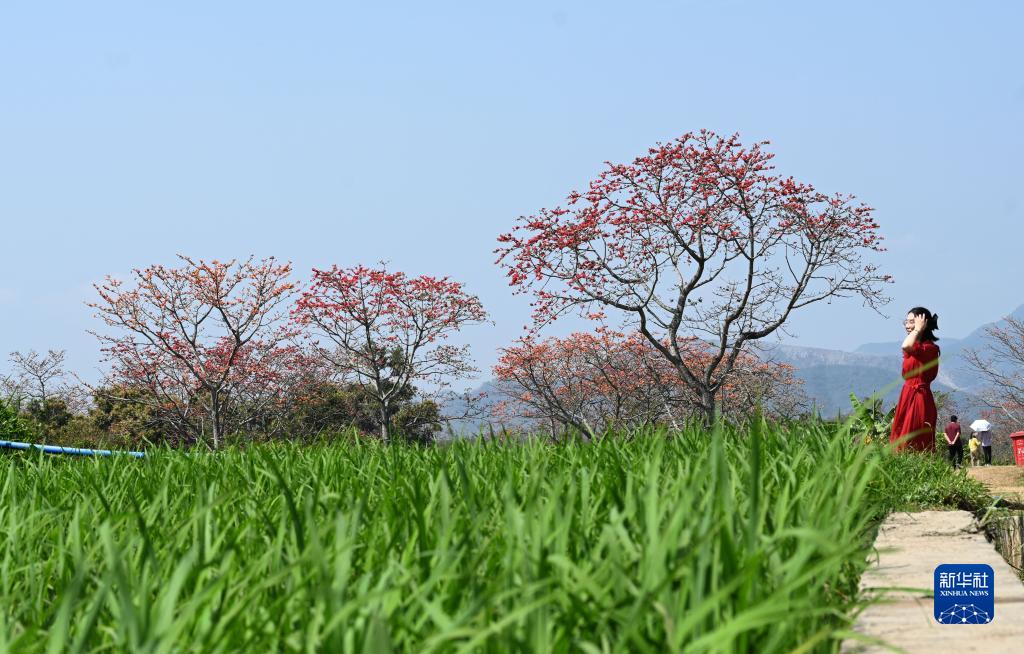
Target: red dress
point(915, 412)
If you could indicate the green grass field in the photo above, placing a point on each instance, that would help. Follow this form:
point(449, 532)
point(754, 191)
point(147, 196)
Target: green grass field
point(695, 542)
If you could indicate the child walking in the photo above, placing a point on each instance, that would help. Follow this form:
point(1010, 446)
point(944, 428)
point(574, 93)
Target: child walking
point(975, 445)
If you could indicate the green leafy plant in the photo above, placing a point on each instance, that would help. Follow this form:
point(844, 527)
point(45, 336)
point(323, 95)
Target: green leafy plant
point(868, 422)
point(12, 426)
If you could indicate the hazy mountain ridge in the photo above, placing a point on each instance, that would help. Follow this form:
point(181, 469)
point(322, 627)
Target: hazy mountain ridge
point(887, 349)
point(831, 375)
point(796, 355)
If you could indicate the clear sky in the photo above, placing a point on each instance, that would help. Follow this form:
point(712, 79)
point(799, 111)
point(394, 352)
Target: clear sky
point(416, 132)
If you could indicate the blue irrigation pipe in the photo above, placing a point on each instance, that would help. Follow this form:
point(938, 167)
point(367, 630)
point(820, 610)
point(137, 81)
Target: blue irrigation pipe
point(57, 449)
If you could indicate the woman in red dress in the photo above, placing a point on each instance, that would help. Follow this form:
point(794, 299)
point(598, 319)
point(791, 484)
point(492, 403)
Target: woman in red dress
point(914, 422)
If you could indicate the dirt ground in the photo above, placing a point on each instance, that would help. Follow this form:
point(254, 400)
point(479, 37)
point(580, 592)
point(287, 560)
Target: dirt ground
point(1001, 480)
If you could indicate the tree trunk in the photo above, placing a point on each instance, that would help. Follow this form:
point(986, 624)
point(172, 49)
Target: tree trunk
point(215, 417)
point(385, 423)
point(708, 407)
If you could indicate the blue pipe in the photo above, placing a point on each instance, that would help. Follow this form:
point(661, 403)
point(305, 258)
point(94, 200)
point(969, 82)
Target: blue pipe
point(57, 449)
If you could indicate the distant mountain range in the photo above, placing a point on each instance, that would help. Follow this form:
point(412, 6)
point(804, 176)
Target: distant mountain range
point(830, 375)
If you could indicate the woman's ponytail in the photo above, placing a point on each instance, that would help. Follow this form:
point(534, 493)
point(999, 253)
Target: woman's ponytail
point(931, 323)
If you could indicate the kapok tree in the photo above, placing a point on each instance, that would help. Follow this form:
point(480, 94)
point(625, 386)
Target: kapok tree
point(388, 331)
point(193, 337)
point(698, 238)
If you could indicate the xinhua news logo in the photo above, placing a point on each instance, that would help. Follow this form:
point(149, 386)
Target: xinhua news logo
point(964, 594)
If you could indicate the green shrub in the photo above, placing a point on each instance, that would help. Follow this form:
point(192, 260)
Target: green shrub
point(914, 481)
point(12, 426)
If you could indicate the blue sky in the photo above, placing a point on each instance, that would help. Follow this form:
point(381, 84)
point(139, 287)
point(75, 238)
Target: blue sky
point(416, 132)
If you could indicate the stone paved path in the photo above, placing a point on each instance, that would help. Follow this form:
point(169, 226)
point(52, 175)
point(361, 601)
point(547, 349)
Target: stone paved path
point(910, 546)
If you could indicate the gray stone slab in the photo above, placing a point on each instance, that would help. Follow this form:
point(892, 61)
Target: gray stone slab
point(910, 546)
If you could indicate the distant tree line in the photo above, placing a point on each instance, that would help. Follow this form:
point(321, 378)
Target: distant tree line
point(130, 416)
